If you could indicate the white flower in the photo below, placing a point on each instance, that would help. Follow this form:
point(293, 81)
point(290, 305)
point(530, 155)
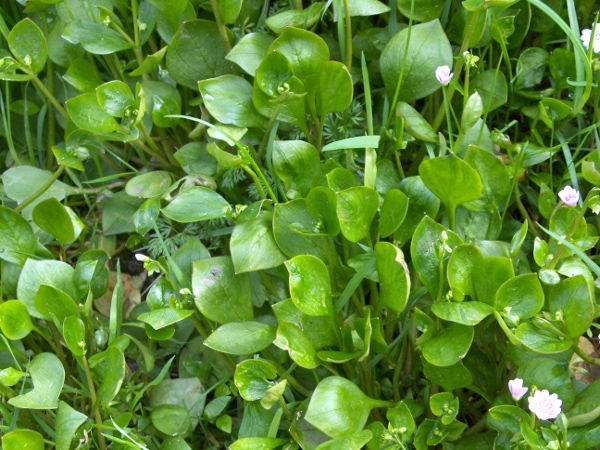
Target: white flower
point(443, 75)
point(516, 389)
point(569, 196)
point(544, 405)
point(586, 36)
point(142, 258)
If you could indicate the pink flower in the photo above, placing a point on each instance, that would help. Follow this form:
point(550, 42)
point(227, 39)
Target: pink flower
point(569, 196)
point(443, 75)
point(544, 405)
point(516, 389)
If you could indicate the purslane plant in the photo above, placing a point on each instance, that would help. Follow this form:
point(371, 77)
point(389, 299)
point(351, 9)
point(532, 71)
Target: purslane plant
point(363, 225)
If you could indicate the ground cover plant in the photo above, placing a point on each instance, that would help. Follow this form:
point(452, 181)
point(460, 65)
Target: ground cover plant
point(299, 224)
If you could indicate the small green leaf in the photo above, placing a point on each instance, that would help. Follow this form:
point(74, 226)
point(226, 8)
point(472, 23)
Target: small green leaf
point(450, 378)
point(356, 207)
point(467, 313)
point(67, 159)
point(74, 334)
point(321, 202)
point(296, 163)
point(393, 212)
point(50, 302)
point(23, 439)
point(173, 420)
point(51, 216)
point(461, 265)
point(258, 443)
point(48, 377)
point(421, 10)
point(83, 75)
point(249, 52)
point(28, 45)
point(95, 37)
point(163, 317)
point(17, 240)
point(291, 338)
point(87, 114)
point(571, 301)
point(15, 322)
point(521, 296)
point(488, 275)
point(310, 287)
point(148, 185)
point(111, 372)
point(541, 341)
point(449, 346)
point(335, 88)
point(353, 142)
point(196, 204)
point(241, 338)
point(394, 277)
point(252, 378)
point(116, 98)
point(353, 442)
point(491, 86)
point(415, 123)
point(295, 18)
point(68, 420)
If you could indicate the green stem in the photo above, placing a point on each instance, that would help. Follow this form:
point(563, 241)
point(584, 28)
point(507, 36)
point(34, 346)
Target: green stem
point(298, 4)
point(583, 355)
point(51, 98)
point(348, 23)
point(583, 419)
point(221, 25)
point(509, 334)
point(41, 190)
point(448, 120)
point(524, 212)
point(96, 411)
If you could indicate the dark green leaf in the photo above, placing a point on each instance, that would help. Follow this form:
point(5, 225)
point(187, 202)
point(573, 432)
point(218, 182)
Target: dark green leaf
point(356, 207)
point(17, 240)
point(28, 45)
point(196, 204)
point(241, 338)
point(449, 346)
point(95, 38)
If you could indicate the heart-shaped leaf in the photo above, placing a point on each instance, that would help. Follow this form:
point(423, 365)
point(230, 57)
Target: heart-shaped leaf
point(48, 376)
point(310, 287)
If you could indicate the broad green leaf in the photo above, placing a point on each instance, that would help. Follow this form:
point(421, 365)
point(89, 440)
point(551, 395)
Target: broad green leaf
point(340, 179)
point(253, 245)
point(356, 207)
point(220, 294)
point(546, 373)
point(451, 179)
point(295, 18)
point(339, 408)
point(415, 123)
point(450, 378)
point(461, 265)
point(274, 75)
point(193, 250)
point(449, 346)
point(353, 142)
point(83, 75)
point(230, 10)
point(426, 244)
point(67, 159)
point(148, 185)
point(321, 202)
point(68, 420)
point(48, 377)
point(366, 7)
point(15, 322)
point(296, 163)
point(95, 37)
point(491, 86)
point(353, 442)
point(187, 393)
point(521, 296)
point(393, 212)
point(196, 53)
point(422, 10)
point(87, 114)
point(36, 273)
point(228, 99)
point(173, 420)
point(28, 45)
point(421, 202)
point(306, 52)
point(467, 313)
point(258, 443)
point(295, 232)
point(571, 300)
point(290, 106)
point(400, 416)
point(118, 213)
point(146, 215)
point(23, 439)
point(196, 204)
point(293, 340)
point(335, 88)
point(541, 341)
point(111, 372)
point(472, 112)
point(50, 302)
point(116, 98)
point(249, 52)
point(51, 216)
point(163, 317)
point(394, 277)
point(19, 191)
point(310, 287)
point(494, 177)
point(427, 50)
point(488, 275)
point(253, 378)
point(241, 338)
point(17, 240)
point(73, 331)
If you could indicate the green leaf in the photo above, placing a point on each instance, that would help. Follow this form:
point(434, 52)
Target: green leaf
point(48, 377)
point(400, 416)
point(571, 300)
point(241, 338)
point(295, 232)
point(230, 10)
point(366, 8)
point(50, 302)
point(274, 75)
point(51, 216)
point(15, 322)
point(196, 204)
point(173, 420)
point(461, 265)
point(335, 88)
point(356, 207)
point(83, 75)
point(422, 10)
point(296, 163)
point(393, 212)
point(521, 296)
point(290, 106)
point(36, 273)
point(252, 378)
point(338, 407)
point(467, 313)
point(494, 177)
point(196, 53)
point(163, 317)
point(452, 180)
point(21, 439)
point(118, 213)
point(87, 114)
point(421, 202)
point(150, 63)
point(306, 52)
point(449, 346)
point(353, 142)
point(228, 99)
point(28, 45)
point(541, 341)
point(116, 98)
point(220, 294)
point(17, 240)
point(258, 443)
point(187, 393)
point(415, 123)
point(450, 378)
point(10, 376)
point(310, 287)
point(295, 18)
point(293, 340)
point(488, 275)
point(491, 86)
point(95, 38)
point(394, 277)
point(111, 371)
point(545, 373)
point(253, 245)
point(249, 52)
point(67, 159)
point(73, 331)
point(68, 420)
point(353, 442)
point(149, 185)
point(427, 50)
